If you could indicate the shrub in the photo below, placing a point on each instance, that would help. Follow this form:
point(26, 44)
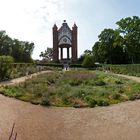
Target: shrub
point(13, 92)
point(100, 83)
point(65, 99)
point(45, 101)
point(116, 96)
point(103, 102)
point(88, 62)
point(91, 102)
point(118, 82)
point(132, 97)
point(5, 67)
point(75, 66)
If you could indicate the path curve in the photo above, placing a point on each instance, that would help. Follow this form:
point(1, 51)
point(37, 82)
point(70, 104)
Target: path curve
point(21, 79)
point(116, 122)
point(134, 78)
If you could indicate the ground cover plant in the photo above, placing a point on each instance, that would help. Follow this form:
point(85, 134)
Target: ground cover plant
point(77, 88)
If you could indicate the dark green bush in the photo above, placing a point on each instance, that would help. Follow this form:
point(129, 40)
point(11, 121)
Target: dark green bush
point(132, 97)
point(91, 102)
point(81, 93)
point(103, 102)
point(5, 67)
point(76, 66)
point(100, 83)
point(65, 100)
point(88, 62)
point(118, 82)
point(45, 101)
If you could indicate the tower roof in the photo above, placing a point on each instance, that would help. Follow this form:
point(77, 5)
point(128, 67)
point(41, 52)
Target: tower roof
point(75, 25)
point(55, 26)
point(64, 25)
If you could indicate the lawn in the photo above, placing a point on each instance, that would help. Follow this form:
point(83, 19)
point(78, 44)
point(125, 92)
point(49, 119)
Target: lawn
point(77, 88)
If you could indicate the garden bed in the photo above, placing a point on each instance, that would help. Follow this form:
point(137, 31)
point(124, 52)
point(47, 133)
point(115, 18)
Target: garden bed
point(75, 89)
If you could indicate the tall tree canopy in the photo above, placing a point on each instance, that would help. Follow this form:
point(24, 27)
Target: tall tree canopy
point(130, 30)
point(21, 51)
point(121, 45)
point(109, 49)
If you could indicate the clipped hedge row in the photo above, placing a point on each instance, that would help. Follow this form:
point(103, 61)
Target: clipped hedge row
point(61, 65)
point(50, 64)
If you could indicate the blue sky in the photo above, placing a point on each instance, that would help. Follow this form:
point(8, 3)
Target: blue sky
point(32, 20)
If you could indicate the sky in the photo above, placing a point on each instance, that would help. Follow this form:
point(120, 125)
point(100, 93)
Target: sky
point(32, 20)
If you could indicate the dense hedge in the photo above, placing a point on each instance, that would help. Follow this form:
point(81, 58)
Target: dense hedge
point(5, 67)
point(10, 70)
point(61, 65)
point(76, 66)
point(50, 64)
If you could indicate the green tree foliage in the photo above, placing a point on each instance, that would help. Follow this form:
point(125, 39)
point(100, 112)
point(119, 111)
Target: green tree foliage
point(47, 55)
point(88, 61)
point(21, 51)
point(108, 49)
point(130, 29)
point(119, 46)
point(5, 67)
point(82, 57)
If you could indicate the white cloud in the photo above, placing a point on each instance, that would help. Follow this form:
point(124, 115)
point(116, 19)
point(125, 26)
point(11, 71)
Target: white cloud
point(31, 20)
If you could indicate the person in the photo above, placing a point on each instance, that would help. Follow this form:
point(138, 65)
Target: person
point(66, 66)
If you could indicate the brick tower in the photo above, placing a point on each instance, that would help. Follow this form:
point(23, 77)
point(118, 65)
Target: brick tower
point(65, 38)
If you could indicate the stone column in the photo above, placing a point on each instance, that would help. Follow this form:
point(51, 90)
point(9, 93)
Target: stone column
point(74, 44)
point(55, 44)
point(61, 53)
point(68, 54)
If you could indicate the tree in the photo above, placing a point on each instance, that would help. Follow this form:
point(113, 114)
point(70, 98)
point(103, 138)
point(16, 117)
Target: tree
point(130, 29)
point(88, 62)
point(47, 55)
point(5, 44)
point(98, 53)
point(109, 47)
point(118, 46)
point(21, 51)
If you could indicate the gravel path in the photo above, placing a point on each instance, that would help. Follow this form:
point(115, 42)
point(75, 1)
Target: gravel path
point(134, 78)
point(34, 122)
point(117, 122)
point(21, 79)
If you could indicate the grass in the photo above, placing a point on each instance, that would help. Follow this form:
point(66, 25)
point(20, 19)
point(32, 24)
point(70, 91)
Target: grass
point(75, 88)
